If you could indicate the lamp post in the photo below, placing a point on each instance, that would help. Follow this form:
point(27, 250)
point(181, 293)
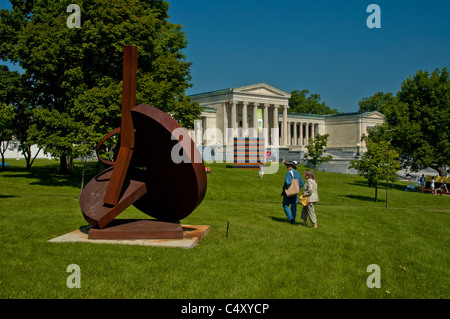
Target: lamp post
point(358, 155)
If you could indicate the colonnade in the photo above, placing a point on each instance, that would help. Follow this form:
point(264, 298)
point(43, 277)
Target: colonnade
point(300, 132)
point(240, 119)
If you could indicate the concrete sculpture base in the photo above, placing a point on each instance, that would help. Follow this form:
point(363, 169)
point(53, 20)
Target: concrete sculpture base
point(192, 234)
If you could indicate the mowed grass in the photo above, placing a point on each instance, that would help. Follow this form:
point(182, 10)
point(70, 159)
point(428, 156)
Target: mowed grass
point(262, 257)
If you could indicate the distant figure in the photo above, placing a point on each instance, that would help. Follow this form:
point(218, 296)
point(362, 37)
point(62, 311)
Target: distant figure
point(261, 169)
point(432, 186)
point(422, 181)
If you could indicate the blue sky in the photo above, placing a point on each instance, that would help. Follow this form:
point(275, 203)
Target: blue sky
point(323, 46)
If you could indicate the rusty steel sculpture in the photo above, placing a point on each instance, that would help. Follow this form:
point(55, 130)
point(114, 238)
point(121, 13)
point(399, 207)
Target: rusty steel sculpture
point(143, 173)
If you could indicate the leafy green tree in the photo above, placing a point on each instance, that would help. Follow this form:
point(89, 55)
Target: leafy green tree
point(378, 163)
point(299, 102)
point(76, 73)
point(316, 147)
point(6, 131)
point(378, 102)
point(417, 121)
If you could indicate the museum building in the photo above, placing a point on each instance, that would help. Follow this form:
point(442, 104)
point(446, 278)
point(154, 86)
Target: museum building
point(261, 110)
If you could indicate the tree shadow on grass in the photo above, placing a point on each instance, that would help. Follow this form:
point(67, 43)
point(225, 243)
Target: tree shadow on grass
point(362, 198)
point(49, 175)
point(382, 185)
point(360, 183)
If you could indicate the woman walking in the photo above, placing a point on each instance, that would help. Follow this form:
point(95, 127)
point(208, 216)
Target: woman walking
point(310, 191)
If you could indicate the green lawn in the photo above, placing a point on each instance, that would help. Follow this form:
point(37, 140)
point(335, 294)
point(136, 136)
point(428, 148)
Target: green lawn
point(262, 257)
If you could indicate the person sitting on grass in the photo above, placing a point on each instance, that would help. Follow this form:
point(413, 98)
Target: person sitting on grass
point(443, 188)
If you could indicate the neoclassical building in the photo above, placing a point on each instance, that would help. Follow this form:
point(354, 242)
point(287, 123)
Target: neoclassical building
point(262, 110)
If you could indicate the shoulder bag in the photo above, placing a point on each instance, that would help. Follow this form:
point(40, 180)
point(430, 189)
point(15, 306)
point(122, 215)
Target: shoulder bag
point(293, 189)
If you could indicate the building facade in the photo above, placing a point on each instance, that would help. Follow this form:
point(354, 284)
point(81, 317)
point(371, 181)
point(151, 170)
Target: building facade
point(262, 110)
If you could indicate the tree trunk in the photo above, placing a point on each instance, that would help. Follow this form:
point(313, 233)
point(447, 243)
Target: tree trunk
point(3, 161)
point(63, 164)
point(3, 149)
point(26, 152)
point(441, 170)
point(32, 160)
point(376, 192)
point(66, 164)
point(387, 186)
point(69, 163)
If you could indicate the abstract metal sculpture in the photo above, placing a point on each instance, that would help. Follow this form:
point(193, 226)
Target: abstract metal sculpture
point(143, 173)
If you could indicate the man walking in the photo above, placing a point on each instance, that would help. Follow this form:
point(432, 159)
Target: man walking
point(290, 203)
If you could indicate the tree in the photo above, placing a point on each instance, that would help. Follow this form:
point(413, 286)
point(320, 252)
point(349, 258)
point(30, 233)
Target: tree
point(417, 121)
point(378, 163)
point(76, 73)
point(13, 91)
point(300, 103)
point(316, 146)
point(378, 102)
point(6, 131)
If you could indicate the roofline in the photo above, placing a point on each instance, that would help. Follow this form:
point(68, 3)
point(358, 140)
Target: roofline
point(212, 92)
point(239, 90)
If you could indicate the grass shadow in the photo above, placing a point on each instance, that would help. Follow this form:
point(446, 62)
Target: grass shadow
point(382, 185)
point(49, 175)
point(359, 183)
point(362, 198)
point(283, 219)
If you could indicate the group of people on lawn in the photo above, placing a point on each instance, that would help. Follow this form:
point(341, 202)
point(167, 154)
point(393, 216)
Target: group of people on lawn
point(442, 188)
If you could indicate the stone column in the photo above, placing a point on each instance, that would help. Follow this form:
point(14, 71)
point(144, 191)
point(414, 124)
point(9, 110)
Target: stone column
point(301, 133)
point(233, 118)
point(285, 127)
point(255, 120)
point(295, 134)
point(275, 123)
point(288, 136)
point(266, 122)
point(359, 129)
point(308, 135)
point(244, 119)
point(225, 123)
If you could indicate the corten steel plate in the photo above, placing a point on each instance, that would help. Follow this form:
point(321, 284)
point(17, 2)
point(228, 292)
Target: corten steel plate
point(92, 206)
point(154, 184)
point(144, 173)
point(173, 190)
